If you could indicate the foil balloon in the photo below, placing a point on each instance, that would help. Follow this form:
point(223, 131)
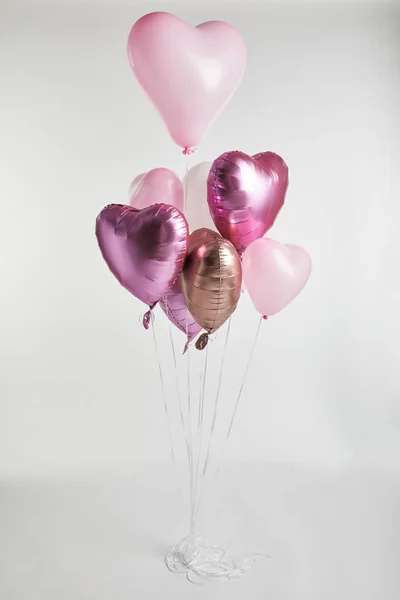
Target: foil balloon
point(189, 73)
point(211, 280)
point(174, 306)
point(144, 249)
point(161, 186)
point(274, 274)
point(245, 195)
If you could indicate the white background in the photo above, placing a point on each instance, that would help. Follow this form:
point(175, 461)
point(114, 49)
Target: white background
point(312, 476)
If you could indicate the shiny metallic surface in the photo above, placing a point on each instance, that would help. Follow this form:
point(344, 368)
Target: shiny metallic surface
point(245, 194)
point(144, 249)
point(174, 306)
point(211, 278)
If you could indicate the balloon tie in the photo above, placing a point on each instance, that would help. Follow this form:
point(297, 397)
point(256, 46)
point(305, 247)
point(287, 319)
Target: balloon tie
point(147, 319)
point(202, 341)
point(187, 151)
point(265, 317)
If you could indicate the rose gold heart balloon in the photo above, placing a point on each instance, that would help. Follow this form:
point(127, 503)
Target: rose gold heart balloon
point(211, 280)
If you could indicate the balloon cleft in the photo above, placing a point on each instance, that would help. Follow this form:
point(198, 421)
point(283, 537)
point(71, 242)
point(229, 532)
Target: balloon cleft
point(202, 341)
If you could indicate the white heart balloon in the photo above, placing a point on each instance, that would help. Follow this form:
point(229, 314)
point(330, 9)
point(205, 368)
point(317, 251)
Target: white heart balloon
point(197, 212)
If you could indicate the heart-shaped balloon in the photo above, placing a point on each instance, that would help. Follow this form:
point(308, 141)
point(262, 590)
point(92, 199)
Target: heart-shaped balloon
point(197, 212)
point(190, 73)
point(274, 274)
point(211, 279)
point(174, 306)
point(245, 194)
point(144, 249)
point(158, 185)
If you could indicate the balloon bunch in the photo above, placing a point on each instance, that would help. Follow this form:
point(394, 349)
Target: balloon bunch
point(190, 73)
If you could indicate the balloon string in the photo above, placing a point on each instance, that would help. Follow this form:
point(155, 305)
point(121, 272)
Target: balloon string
point(186, 184)
point(216, 403)
point(189, 401)
point(202, 562)
point(214, 418)
point(177, 381)
point(240, 392)
point(196, 455)
point(167, 415)
point(200, 429)
point(190, 433)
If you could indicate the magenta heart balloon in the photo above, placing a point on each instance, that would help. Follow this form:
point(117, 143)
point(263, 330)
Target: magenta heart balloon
point(144, 249)
point(245, 194)
point(190, 73)
point(174, 306)
point(274, 274)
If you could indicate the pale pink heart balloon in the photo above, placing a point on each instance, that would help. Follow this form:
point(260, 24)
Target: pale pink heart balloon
point(274, 274)
point(190, 73)
point(158, 186)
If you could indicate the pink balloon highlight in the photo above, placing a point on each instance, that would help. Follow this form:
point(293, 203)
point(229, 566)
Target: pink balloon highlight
point(158, 186)
point(245, 194)
point(274, 274)
point(189, 73)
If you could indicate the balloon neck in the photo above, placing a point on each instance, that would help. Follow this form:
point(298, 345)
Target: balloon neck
point(265, 317)
point(202, 341)
point(147, 319)
point(188, 151)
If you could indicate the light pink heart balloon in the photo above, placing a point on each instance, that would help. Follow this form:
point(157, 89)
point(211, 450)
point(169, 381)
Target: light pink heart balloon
point(190, 73)
point(158, 186)
point(274, 274)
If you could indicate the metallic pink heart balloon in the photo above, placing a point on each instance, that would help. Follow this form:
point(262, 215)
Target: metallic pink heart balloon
point(144, 249)
point(245, 194)
point(274, 274)
point(174, 306)
point(158, 185)
point(190, 73)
